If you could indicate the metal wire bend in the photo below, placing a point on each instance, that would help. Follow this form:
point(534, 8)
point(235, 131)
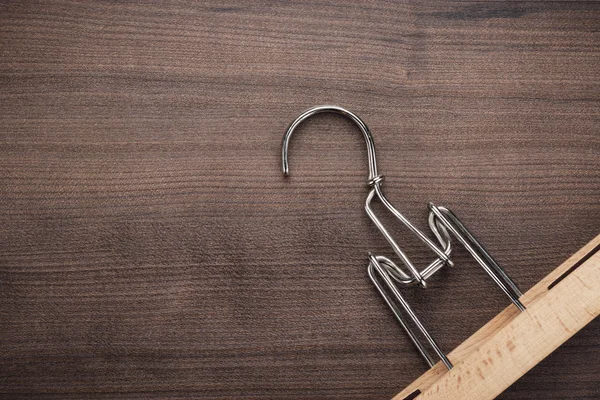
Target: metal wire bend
point(373, 175)
point(375, 181)
point(384, 272)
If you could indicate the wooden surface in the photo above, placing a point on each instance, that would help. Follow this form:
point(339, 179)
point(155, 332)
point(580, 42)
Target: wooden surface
point(513, 342)
point(151, 248)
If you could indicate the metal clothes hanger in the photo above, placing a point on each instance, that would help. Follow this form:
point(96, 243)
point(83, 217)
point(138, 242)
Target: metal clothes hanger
point(386, 274)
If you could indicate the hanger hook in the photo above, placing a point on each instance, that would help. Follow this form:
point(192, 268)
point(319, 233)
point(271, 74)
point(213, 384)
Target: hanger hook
point(374, 177)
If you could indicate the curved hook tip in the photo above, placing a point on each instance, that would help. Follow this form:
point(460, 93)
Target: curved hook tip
point(373, 175)
point(285, 168)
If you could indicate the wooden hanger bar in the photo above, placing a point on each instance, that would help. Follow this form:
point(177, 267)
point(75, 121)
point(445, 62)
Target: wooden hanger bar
point(513, 342)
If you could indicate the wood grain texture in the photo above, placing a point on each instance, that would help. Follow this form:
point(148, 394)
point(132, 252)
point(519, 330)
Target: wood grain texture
point(488, 371)
point(150, 247)
point(526, 340)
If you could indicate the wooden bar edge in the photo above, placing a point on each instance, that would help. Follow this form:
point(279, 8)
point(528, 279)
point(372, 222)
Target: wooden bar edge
point(512, 343)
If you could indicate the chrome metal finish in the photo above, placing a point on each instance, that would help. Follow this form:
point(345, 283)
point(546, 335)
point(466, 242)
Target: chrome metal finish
point(373, 175)
point(385, 273)
point(375, 266)
point(454, 225)
point(375, 181)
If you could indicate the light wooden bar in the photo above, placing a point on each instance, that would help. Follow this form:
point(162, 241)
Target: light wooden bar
point(512, 343)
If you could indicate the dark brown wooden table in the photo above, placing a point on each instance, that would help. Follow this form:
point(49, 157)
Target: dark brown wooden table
point(151, 248)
